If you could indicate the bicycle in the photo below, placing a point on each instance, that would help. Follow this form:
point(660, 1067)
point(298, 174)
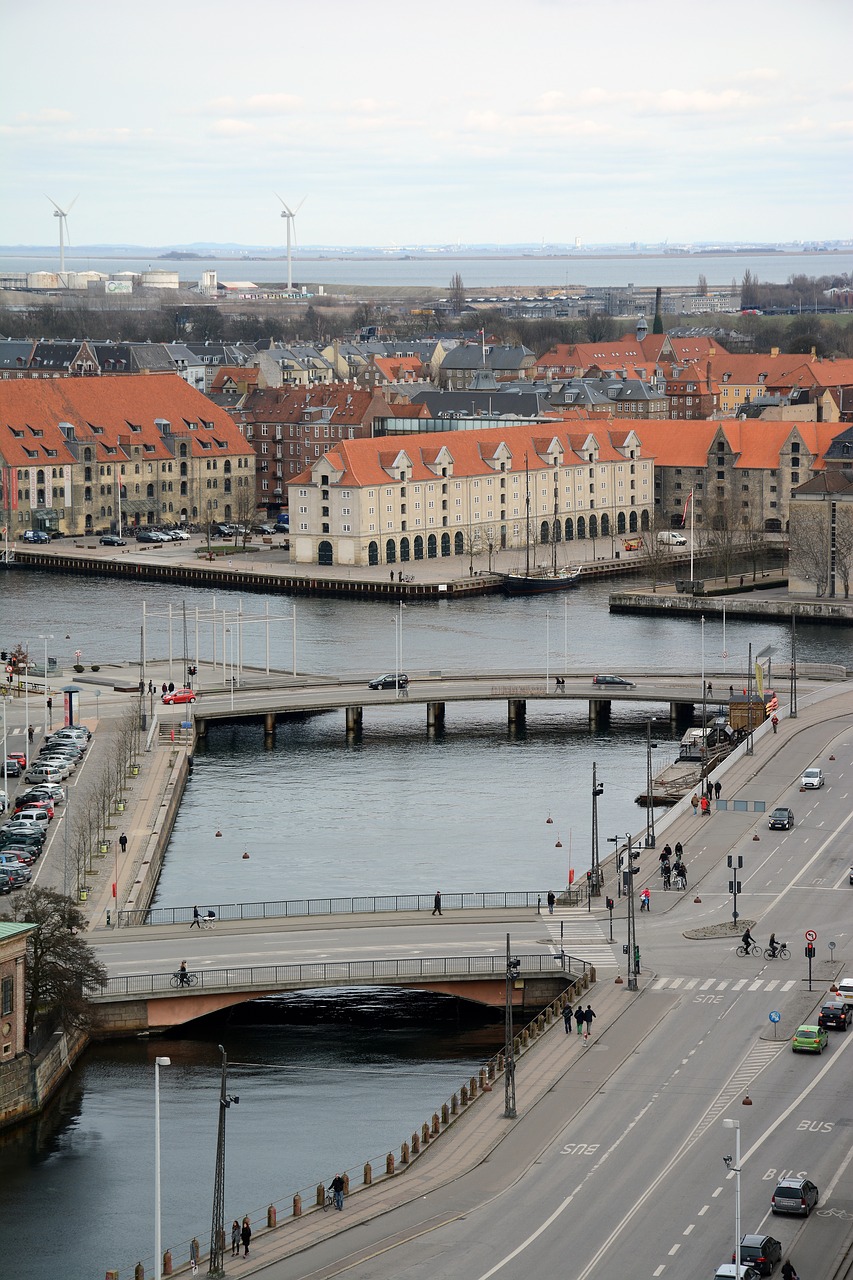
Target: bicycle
point(183, 980)
point(782, 952)
point(329, 1200)
point(754, 950)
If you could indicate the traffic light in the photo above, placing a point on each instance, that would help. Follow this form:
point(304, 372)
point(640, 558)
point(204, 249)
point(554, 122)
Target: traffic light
point(810, 951)
point(3, 655)
point(588, 877)
point(636, 958)
point(609, 903)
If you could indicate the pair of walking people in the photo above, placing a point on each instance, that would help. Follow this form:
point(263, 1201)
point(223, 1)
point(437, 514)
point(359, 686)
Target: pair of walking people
point(583, 1019)
point(240, 1235)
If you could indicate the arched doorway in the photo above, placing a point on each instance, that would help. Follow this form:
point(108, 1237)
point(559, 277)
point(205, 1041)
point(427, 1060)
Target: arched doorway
point(644, 521)
point(419, 547)
point(373, 553)
point(404, 549)
point(620, 522)
point(324, 553)
point(605, 526)
point(544, 533)
point(390, 551)
point(445, 544)
point(632, 522)
point(593, 526)
point(459, 544)
point(581, 528)
point(558, 531)
point(570, 531)
point(432, 547)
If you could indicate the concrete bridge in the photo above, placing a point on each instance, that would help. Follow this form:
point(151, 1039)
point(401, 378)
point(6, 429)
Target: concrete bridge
point(130, 1004)
point(434, 690)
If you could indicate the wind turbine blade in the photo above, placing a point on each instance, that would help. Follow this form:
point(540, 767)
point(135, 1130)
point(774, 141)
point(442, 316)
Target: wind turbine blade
point(72, 204)
point(55, 205)
point(299, 206)
point(287, 211)
point(67, 236)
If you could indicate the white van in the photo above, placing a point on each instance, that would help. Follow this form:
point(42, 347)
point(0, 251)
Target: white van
point(670, 538)
point(37, 817)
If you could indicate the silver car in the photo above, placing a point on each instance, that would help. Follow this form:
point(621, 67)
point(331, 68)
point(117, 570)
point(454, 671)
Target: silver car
point(811, 779)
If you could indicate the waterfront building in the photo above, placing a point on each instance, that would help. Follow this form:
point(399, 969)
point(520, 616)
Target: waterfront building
point(67, 444)
point(399, 498)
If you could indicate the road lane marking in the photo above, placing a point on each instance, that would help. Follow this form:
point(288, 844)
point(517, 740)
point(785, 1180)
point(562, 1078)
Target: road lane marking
point(753, 986)
point(660, 1270)
point(709, 983)
point(703, 1210)
point(740, 983)
point(688, 1230)
point(771, 985)
point(674, 1250)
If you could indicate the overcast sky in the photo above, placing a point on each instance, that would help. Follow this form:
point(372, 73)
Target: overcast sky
point(437, 123)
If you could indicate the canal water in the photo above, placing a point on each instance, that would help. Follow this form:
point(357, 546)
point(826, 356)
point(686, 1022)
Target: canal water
point(344, 1078)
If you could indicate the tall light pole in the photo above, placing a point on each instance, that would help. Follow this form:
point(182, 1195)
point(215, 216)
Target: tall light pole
point(792, 708)
point(650, 819)
point(398, 648)
point(217, 1224)
point(158, 1248)
point(735, 1169)
point(45, 639)
point(633, 948)
point(595, 878)
point(547, 649)
point(512, 967)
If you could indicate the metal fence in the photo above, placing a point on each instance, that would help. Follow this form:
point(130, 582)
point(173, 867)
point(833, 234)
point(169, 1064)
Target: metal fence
point(338, 973)
point(367, 905)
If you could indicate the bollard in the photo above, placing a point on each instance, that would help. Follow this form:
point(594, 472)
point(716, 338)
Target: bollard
point(445, 1113)
point(167, 1262)
point(320, 1197)
point(368, 1175)
point(454, 1105)
point(195, 1250)
point(297, 1205)
point(139, 1272)
point(492, 1069)
point(425, 1134)
point(435, 1127)
point(463, 1095)
point(483, 1077)
point(416, 1144)
point(472, 1087)
point(346, 1184)
point(404, 1153)
point(272, 1216)
point(389, 1164)
point(499, 1062)
point(111, 1275)
point(525, 1037)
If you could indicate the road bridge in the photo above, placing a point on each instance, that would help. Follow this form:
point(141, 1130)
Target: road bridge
point(128, 1004)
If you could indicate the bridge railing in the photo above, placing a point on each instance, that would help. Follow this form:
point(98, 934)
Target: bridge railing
point(367, 905)
point(338, 972)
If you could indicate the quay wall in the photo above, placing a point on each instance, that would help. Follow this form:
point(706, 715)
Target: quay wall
point(145, 872)
point(736, 606)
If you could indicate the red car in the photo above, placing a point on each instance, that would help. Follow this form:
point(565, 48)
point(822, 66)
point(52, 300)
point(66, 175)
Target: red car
point(35, 804)
point(178, 695)
point(18, 756)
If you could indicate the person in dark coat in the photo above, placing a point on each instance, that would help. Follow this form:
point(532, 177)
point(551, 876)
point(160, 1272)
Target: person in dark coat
point(235, 1239)
point(552, 898)
point(436, 903)
point(579, 1019)
point(567, 1018)
point(196, 918)
point(588, 1016)
point(718, 786)
point(338, 1191)
point(246, 1236)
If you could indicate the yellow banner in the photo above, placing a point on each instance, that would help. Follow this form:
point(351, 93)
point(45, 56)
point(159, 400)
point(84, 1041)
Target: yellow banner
point(759, 679)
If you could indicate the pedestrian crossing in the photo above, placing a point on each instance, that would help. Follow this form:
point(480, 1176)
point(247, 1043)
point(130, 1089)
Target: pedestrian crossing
point(733, 986)
point(583, 936)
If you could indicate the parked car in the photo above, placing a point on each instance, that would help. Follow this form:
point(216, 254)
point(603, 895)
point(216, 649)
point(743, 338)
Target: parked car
point(728, 1271)
point(671, 538)
point(389, 682)
point(22, 836)
point(811, 779)
point(834, 1015)
point(16, 877)
point(46, 773)
point(6, 883)
point(794, 1195)
point(38, 817)
point(149, 535)
point(179, 535)
point(18, 757)
point(45, 791)
point(781, 819)
point(27, 803)
point(35, 535)
point(267, 530)
point(761, 1252)
point(60, 765)
point(617, 680)
point(809, 1039)
point(112, 540)
point(17, 857)
point(178, 695)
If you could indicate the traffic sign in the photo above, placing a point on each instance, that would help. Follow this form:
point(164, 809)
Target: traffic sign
point(811, 936)
point(775, 1015)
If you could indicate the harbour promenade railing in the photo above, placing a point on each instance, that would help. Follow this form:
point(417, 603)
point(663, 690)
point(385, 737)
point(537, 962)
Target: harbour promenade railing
point(339, 972)
point(367, 904)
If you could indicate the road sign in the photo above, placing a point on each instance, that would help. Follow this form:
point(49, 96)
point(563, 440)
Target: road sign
point(811, 936)
point(725, 653)
point(775, 1015)
point(831, 946)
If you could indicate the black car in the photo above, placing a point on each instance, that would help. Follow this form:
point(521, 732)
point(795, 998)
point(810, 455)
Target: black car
point(148, 535)
point(35, 535)
point(834, 1015)
point(760, 1252)
point(112, 540)
point(794, 1195)
point(617, 680)
point(781, 819)
point(389, 682)
point(13, 769)
point(22, 833)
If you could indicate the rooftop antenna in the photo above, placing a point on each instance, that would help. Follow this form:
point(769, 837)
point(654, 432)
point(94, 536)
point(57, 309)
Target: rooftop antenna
point(290, 215)
point(62, 215)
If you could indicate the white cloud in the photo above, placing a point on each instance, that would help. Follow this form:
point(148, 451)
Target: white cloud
point(231, 128)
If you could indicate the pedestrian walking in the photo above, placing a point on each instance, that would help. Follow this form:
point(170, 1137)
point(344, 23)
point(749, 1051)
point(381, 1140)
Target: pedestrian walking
point(436, 903)
point(580, 1019)
point(171, 687)
point(731, 692)
point(775, 723)
point(196, 918)
point(165, 688)
point(151, 690)
point(552, 898)
point(718, 786)
point(588, 1017)
point(710, 690)
point(122, 840)
point(706, 806)
point(567, 1018)
point(645, 900)
point(694, 800)
point(788, 1272)
point(50, 710)
point(246, 1236)
point(338, 1191)
point(31, 733)
point(235, 1239)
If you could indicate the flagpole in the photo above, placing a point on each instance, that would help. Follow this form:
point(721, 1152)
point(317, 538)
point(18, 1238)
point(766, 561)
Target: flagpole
point(692, 505)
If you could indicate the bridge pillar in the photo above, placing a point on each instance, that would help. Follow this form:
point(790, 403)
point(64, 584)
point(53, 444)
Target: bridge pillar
point(200, 727)
point(354, 721)
point(599, 713)
point(681, 715)
point(516, 709)
point(435, 716)
point(269, 729)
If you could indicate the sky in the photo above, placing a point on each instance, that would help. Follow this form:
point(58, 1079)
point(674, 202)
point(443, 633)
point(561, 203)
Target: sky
point(472, 121)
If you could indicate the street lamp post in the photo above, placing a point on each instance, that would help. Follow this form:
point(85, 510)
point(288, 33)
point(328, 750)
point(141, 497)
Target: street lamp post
point(614, 840)
point(512, 967)
point(216, 1266)
point(650, 808)
point(633, 949)
point(158, 1249)
point(735, 1169)
point(46, 726)
point(595, 878)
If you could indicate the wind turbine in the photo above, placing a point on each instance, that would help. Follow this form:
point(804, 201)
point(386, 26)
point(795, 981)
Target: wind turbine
point(62, 215)
point(290, 214)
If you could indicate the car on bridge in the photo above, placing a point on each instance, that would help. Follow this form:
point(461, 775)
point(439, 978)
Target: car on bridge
point(834, 1014)
point(617, 680)
point(178, 695)
point(761, 1252)
point(811, 779)
point(781, 819)
point(389, 682)
point(794, 1195)
point(810, 1039)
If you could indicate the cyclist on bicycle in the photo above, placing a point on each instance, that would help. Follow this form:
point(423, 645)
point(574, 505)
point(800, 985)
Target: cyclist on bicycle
point(748, 941)
point(773, 946)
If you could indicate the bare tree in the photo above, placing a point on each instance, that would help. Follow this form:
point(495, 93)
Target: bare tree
point(473, 546)
point(702, 287)
point(655, 555)
point(458, 301)
point(491, 538)
point(60, 964)
point(844, 545)
point(809, 539)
